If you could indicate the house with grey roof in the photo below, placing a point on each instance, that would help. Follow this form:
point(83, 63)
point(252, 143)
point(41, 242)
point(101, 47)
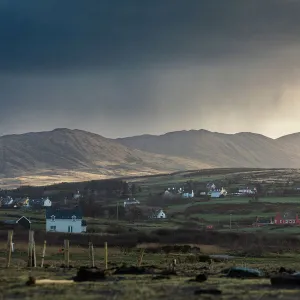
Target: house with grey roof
point(65, 220)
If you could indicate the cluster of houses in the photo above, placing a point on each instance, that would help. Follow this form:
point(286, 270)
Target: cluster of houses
point(9, 202)
point(211, 191)
point(57, 220)
point(154, 213)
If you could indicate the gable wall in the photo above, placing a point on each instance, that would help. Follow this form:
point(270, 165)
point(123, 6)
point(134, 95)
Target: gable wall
point(62, 225)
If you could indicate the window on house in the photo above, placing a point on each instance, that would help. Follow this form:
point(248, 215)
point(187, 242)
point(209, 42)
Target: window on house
point(53, 228)
point(52, 218)
point(73, 218)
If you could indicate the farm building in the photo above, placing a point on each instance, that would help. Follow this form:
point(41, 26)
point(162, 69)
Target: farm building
point(288, 218)
point(65, 220)
point(40, 203)
point(131, 202)
point(188, 194)
point(218, 193)
point(22, 222)
point(47, 202)
point(262, 222)
point(247, 191)
point(159, 214)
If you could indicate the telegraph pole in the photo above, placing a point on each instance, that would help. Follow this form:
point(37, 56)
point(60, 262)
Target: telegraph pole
point(118, 211)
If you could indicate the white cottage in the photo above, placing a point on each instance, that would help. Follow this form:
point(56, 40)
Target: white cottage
point(131, 202)
point(65, 220)
point(160, 214)
point(188, 195)
point(47, 202)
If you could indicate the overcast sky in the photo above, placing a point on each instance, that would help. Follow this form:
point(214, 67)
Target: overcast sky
point(121, 68)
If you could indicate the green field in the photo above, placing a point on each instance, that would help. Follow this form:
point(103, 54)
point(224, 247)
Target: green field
point(12, 284)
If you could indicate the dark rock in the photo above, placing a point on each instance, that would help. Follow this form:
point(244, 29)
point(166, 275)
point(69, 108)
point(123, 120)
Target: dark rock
point(286, 280)
point(89, 274)
point(168, 273)
point(132, 270)
point(208, 291)
point(284, 270)
point(201, 278)
point(31, 281)
point(203, 258)
point(239, 272)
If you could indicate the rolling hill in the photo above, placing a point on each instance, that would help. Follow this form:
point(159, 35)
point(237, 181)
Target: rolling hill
point(77, 155)
point(222, 150)
point(65, 153)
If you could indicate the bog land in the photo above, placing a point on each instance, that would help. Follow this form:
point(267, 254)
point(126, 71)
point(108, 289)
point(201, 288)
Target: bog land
point(267, 247)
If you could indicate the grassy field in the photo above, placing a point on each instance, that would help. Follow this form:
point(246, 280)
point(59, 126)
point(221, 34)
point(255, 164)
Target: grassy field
point(12, 283)
point(266, 248)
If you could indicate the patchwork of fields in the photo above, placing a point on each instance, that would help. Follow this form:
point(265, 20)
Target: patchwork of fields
point(267, 248)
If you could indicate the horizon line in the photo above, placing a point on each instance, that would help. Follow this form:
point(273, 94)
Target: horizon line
point(148, 134)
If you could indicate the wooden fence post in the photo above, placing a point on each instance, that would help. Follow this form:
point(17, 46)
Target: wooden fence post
point(9, 247)
point(43, 254)
point(92, 255)
point(31, 250)
point(33, 254)
point(67, 253)
point(106, 254)
point(141, 257)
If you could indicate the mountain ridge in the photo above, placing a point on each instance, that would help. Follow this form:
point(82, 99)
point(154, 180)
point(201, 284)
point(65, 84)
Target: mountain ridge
point(64, 150)
point(80, 153)
point(242, 149)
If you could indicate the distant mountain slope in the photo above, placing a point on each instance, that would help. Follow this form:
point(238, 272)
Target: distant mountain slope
point(76, 155)
point(291, 145)
point(222, 150)
point(64, 149)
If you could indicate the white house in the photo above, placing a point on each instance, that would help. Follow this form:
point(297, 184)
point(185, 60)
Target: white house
point(7, 201)
point(131, 202)
point(211, 186)
point(76, 196)
point(247, 191)
point(160, 214)
point(188, 195)
point(65, 220)
point(219, 193)
point(47, 202)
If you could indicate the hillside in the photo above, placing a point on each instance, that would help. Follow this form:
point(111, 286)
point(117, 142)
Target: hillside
point(43, 158)
point(222, 150)
point(66, 152)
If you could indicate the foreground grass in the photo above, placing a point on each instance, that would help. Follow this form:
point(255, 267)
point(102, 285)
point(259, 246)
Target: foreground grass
point(12, 286)
point(133, 287)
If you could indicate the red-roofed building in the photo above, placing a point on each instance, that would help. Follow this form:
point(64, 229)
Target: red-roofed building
point(288, 218)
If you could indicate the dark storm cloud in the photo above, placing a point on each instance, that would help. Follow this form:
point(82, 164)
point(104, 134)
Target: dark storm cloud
point(49, 34)
point(123, 67)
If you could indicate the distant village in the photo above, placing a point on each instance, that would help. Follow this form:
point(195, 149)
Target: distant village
point(68, 217)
